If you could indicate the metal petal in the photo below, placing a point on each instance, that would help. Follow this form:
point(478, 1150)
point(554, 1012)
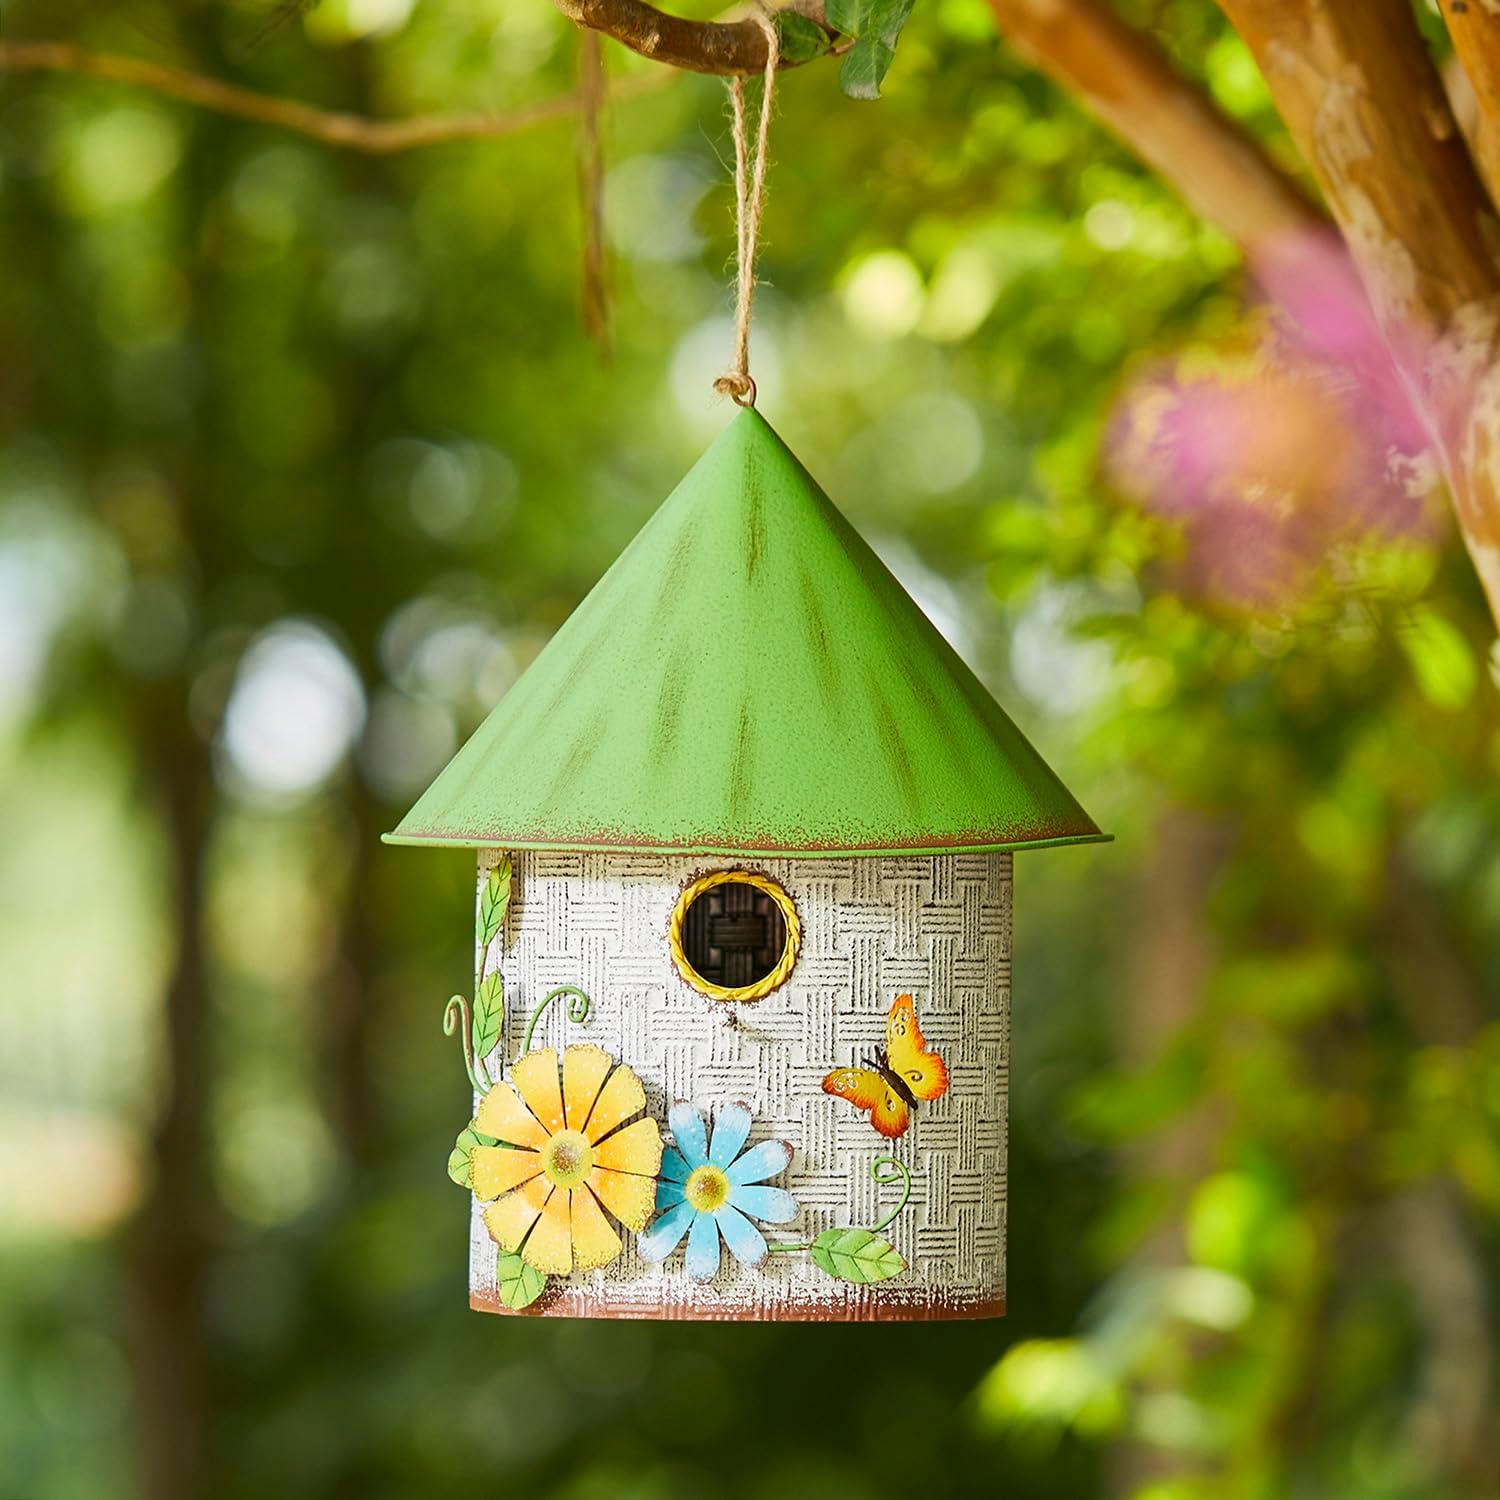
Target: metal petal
point(703, 1248)
point(664, 1236)
point(673, 1167)
point(760, 1162)
point(688, 1134)
point(668, 1193)
point(771, 1205)
point(731, 1131)
point(746, 1243)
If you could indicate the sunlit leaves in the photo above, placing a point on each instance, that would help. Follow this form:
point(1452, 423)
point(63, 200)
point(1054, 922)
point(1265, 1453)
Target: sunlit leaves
point(1241, 1223)
point(1441, 659)
point(1450, 1120)
point(876, 26)
point(1052, 1383)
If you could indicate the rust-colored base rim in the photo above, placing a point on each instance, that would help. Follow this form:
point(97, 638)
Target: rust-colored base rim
point(870, 1311)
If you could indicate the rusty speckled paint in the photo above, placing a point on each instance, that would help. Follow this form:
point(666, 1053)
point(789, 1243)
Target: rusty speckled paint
point(748, 678)
point(842, 1305)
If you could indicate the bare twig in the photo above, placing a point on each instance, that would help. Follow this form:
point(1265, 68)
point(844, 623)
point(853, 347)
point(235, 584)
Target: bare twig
point(281, 16)
point(333, 127)
point(722, 47)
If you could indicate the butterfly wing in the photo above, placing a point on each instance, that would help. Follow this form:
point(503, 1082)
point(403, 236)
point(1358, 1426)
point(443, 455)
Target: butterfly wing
point(865, 1089)
point(923, 1072)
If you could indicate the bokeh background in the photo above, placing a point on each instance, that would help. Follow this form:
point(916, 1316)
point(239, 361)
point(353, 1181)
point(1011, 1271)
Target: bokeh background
point(305, 456)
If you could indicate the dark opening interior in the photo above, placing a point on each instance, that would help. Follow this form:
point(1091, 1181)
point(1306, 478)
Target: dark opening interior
point(733, 934)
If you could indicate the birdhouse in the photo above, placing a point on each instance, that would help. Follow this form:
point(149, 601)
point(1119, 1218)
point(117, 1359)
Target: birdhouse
point(739, 1043)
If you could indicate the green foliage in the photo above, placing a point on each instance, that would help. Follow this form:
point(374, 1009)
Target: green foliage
point(489, 1014)
point(876, 27)
point(801, 39)
point(1441, 658)
point(856, 1255)
point(520, 1285)
point(494, 902)
point(1053, 1381)
point(461, 1158)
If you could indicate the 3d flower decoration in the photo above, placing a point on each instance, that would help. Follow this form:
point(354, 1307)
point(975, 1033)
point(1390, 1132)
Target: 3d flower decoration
point(708, 1191)
point(574, 1157)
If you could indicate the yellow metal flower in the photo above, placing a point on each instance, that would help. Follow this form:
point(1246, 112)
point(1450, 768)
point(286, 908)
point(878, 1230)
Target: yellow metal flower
point(575, 1157)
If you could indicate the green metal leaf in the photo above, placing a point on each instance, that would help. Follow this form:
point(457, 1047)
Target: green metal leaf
point(494, 900)
point(461, 1159)
point(801, 39)
point(870, 59)
point(519, 1284)
point(857, 1255)
point(489, 1015)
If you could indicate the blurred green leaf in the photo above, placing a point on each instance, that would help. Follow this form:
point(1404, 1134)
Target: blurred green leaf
point(1052, 1383)
point(1440, 657)
point(1240, 1222)
point(1116, 1107)
point(1293, 988)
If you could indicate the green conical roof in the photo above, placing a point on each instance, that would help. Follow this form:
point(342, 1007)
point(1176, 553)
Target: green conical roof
point(748, 678)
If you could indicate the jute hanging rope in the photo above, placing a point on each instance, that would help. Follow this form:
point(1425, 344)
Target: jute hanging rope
point(749, 200)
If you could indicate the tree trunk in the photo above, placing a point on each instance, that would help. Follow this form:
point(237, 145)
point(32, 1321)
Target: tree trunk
point(1171, 961)
point(169, 1243)
point(350, 1019)
point(1474, 26)
point(1355, 86)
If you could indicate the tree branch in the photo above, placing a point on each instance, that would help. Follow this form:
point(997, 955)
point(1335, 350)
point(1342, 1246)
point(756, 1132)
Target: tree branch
point(722, 47)
point(1122, 77)
point(1356, 87)
point(333, 127)
point(1474, 27)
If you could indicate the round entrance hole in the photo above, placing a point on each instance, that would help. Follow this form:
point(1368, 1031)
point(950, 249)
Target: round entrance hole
point(734, 935)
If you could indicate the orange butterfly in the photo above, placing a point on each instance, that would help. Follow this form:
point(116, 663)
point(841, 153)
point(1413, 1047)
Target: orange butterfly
point(903, 1071)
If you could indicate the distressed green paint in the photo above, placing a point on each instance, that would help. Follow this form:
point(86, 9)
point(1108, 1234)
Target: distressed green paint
point(748, 678)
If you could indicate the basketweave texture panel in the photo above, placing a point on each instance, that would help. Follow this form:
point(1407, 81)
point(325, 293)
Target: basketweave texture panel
point(935, 927)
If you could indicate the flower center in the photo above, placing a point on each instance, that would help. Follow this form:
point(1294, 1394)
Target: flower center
point(707, 1189)
point(567, 1159)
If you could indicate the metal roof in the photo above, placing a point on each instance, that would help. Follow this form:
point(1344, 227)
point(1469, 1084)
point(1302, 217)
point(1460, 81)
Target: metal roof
point(748, 678)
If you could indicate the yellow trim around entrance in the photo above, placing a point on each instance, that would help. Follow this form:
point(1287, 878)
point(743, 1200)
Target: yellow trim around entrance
point(762, 987)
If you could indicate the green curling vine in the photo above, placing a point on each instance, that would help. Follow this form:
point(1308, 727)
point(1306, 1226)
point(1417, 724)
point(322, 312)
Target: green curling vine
point(862, 1256)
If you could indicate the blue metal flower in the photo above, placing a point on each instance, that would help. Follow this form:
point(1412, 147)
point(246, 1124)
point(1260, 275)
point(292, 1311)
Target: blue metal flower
point(707, 1191)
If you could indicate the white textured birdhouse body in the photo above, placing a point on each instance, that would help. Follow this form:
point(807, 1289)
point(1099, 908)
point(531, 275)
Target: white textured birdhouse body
point(863, 931)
